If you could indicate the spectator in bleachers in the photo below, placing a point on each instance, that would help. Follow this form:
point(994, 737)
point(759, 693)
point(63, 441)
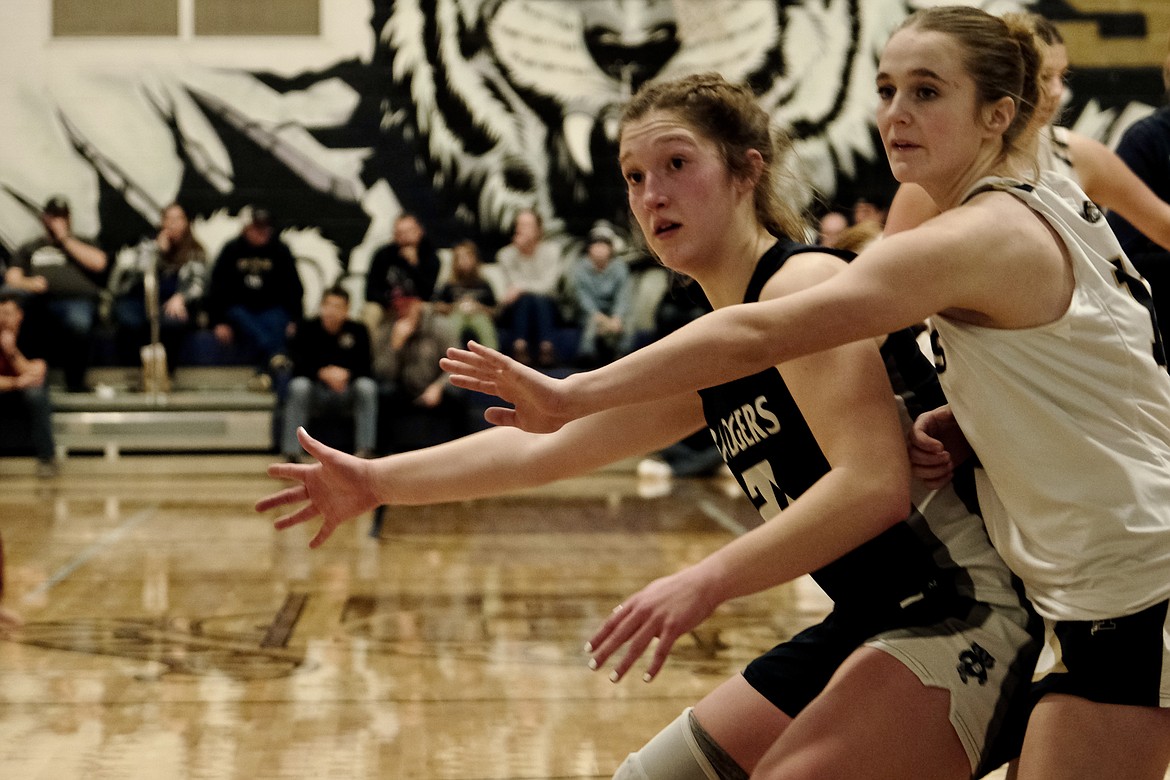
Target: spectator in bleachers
point(409, 260)
point(604, 293)
point(178, 262)
point(467, 299)
point(830, 226)
point(23, 389)
point(331, 376)
point(67, 276)
point(531, 269)
point(256, 296)
point(407, 349)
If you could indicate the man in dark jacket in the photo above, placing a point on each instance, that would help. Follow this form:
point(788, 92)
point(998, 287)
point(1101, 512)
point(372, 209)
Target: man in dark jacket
point(331, 366)
point(256, 294)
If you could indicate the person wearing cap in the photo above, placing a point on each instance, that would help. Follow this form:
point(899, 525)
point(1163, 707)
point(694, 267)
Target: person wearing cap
point(419, 405)
point(66, 274)
point(604, 293)
point(256, 296)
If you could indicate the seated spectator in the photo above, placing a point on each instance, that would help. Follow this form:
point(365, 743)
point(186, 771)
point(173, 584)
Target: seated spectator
point(178, 263)
point(604, 293)
point(871, 208)
point(255, 295)
point(829, 228)
point(331, 376)
point(407, 349)
point(67, 274)
point(467, 300)
point(409, 260)
point(531, 269)
point(22, 381)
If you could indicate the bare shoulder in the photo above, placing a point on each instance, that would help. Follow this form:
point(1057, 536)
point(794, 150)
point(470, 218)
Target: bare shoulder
point(800, 272)
point(989, 226)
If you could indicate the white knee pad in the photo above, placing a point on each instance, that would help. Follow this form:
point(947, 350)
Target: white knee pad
point(673, 754)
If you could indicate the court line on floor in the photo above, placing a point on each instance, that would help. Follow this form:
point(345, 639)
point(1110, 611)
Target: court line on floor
point(79, 560)
point(722, 518)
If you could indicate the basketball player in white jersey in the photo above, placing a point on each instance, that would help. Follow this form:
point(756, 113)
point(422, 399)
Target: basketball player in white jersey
point(1049, 357)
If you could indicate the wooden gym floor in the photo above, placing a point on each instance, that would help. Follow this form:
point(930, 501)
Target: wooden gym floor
point(171, 633)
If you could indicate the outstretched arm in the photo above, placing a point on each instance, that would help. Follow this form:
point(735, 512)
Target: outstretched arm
point(339, 487)
point(953, 261)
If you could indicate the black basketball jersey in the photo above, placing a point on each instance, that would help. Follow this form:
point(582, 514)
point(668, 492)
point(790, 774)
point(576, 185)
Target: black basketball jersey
point(768, 446)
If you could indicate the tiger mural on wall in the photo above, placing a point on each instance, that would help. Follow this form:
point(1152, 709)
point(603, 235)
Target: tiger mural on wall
point(463, 111)
point(516, 102)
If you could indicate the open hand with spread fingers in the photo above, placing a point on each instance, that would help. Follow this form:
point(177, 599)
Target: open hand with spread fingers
point(538, 400)
point(337, 487)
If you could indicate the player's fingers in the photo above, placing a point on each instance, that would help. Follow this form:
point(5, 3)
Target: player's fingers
point(293, 471)
point(637, 646)
point(282, 498)
point(469, 382)
point(606, 628)
point(325, 532)
point(296, 518)
point(500, 415)
point(315, 448)
point(491, 356)
point(601, 638)
point(661, 651)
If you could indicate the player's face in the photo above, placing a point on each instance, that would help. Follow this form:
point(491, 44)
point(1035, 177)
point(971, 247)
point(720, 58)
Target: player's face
point(1053, 73)
point(927, 113)
point(679, 189)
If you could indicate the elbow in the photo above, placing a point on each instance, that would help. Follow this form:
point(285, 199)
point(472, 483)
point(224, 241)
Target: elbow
point(887, 501)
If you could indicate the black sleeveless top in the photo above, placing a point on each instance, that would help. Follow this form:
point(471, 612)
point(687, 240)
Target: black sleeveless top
point(768, 446)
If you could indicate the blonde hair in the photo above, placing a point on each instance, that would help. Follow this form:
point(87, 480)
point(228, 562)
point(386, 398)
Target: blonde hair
point(728, 115)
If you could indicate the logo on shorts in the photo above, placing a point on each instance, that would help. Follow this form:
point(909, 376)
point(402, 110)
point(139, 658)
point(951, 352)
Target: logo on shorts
point(975, 663)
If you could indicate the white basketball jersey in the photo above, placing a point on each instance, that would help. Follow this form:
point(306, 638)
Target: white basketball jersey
point(1071, 421)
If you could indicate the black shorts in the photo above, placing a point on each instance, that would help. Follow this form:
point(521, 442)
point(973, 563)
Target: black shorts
point(1124, 660)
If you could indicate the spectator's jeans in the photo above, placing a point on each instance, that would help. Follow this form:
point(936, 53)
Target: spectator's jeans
point(620, 343)
point(265, 330)
point(35, 403)
point(134, 330)
point(308, 398)
point(74, 317)
point(533, 318)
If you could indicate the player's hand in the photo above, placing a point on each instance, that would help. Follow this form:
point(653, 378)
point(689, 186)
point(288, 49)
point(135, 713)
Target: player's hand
point(665, 609)
point(937, 447)
point(338, 487)
point(538, 399)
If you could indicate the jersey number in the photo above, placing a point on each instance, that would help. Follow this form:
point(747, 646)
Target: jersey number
point(760, 483)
